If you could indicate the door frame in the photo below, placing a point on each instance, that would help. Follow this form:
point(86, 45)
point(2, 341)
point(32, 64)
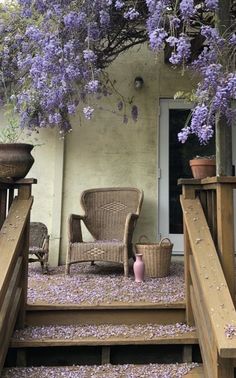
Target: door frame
point(163, 172)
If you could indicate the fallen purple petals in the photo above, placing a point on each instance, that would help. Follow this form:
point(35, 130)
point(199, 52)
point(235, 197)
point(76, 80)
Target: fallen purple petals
point(230, 331)
point(102, 283)
point(103, 371)
point(103, 331)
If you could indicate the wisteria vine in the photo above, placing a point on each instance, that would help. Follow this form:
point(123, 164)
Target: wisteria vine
point(53, 54)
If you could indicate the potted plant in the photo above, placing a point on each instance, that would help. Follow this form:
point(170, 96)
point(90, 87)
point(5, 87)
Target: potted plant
point(15, 157)
point(203, 166)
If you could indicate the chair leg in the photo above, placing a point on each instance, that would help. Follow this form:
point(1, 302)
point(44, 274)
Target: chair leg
point(45, 267)
point(126, 262)
point(126, 269)
point(67, 268)
point(42, 265)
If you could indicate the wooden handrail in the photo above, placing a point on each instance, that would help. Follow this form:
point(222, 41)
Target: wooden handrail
point(14, 246)
point(216, 196)
point(209, 302)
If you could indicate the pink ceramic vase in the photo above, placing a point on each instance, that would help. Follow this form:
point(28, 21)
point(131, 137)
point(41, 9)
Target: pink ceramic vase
point(139, 268)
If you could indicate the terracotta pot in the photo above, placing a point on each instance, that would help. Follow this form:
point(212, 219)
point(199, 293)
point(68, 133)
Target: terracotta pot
point(15, 160)
point(139, 268)
point(202, 168)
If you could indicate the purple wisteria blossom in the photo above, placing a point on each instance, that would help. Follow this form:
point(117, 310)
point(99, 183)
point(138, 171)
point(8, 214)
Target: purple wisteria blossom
point(199, 125)
point(182, 50)
point(131, 14)
point(212, 4)
point(170, 25)
point(104, 18)
point(88, 112)
point(187, 9)
point(52, 55)
point(119, 4)
point(157, 39)
point(92, 86)
point(89, 56)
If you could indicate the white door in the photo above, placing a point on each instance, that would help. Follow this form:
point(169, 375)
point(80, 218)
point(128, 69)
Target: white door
point(173, 164)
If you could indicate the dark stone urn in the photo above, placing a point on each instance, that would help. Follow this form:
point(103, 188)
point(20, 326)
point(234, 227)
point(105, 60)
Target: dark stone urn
point(15, 160)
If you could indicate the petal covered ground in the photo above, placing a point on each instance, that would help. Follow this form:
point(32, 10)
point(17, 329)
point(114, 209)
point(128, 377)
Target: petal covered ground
point(103, 371)
point(102, 283)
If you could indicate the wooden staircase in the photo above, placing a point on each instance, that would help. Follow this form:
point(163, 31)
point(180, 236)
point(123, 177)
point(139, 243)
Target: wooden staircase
point(111, 336)
point(209, 280)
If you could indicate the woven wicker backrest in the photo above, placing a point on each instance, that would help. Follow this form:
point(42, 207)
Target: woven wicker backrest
point(106, 210)
point(38, 232)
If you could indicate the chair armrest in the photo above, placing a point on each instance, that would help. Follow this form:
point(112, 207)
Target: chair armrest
point(130, 224)
point(74, 228)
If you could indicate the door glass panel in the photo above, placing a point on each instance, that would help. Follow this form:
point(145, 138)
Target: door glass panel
point(179, 156)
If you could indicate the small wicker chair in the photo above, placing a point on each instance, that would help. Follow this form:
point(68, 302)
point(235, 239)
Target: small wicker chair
point(39, 244)
point(110, 216)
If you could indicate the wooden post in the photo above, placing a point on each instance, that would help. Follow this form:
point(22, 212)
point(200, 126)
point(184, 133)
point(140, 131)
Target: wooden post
point(24, 192)
point(187, 278)
point(223, 148)
point(225, 368)
point(225, 232)
point(223, 129)
point(106, 351)
point(188, 353)
point(3, 205)
point(211, 214)
point(188, 192)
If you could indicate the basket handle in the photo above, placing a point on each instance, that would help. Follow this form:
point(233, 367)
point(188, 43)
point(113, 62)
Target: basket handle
point(144, 238)
point(161, 242)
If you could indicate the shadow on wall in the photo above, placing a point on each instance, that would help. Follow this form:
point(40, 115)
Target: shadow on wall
point(144, 228)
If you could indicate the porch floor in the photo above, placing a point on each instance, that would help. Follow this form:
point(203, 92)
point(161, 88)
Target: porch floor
point(103, 284)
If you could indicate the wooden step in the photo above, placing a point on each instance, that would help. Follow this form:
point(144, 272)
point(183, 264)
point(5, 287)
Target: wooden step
point(108, 371)
point(105, 334)
point(123, 313)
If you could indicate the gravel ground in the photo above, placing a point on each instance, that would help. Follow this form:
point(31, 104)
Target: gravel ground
point(103, 371)
point(103, 331)
point(102, 283)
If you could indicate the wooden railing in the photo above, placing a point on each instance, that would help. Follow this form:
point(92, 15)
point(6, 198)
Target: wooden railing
point(209, 270)
point(14, 244)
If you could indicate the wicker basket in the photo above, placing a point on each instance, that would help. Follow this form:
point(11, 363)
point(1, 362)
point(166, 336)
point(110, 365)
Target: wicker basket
point(156, 256)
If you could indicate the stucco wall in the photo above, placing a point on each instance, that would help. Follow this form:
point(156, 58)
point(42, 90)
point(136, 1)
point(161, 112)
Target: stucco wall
point(47, 192)
point(105, 151)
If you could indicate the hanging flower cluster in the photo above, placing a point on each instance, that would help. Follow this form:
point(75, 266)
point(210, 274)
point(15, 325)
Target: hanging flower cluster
point(179, 25)
point(52, 55)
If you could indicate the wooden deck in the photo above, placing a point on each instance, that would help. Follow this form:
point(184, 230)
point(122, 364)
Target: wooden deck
point(103, 296)
point(97, 298)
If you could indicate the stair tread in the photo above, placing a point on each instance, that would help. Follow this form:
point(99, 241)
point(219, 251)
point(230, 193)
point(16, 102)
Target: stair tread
point(104, 334)
point(39, 305)
point(108, 371)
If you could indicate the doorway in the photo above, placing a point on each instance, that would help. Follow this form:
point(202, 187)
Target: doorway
point(174, 164)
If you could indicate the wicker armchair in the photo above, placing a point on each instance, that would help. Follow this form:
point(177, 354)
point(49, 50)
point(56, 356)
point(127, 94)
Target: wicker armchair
point(39, 244)
point(110, 216)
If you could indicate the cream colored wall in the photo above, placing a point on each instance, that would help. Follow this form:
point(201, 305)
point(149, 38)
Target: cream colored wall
point(105, 151)
point(48, 169)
